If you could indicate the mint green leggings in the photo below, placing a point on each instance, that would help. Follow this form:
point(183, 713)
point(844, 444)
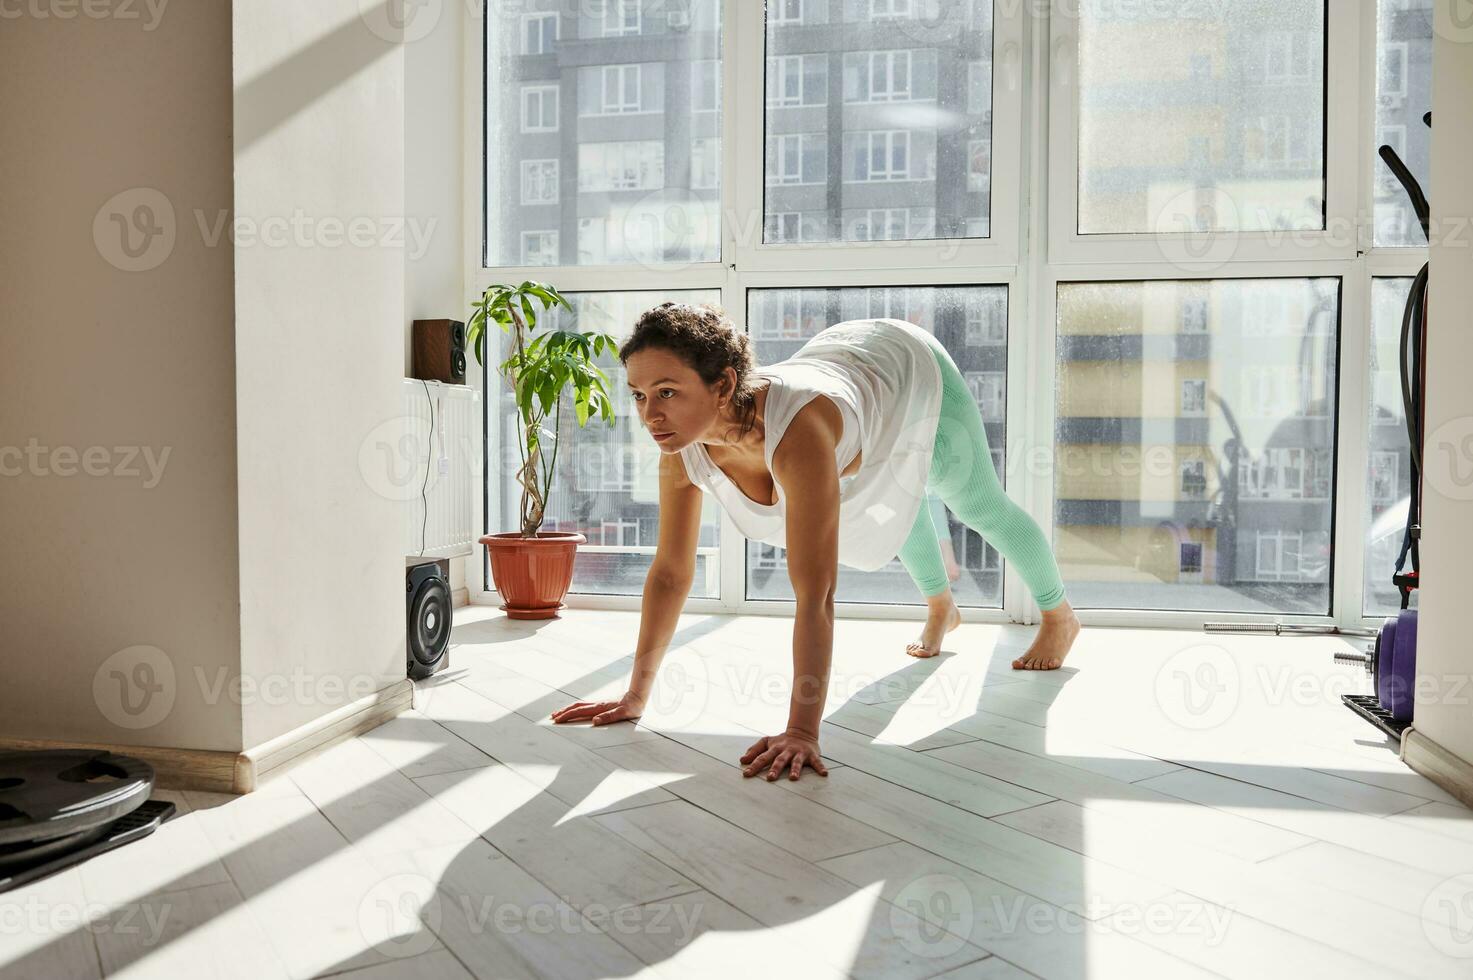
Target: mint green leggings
point(963, 476)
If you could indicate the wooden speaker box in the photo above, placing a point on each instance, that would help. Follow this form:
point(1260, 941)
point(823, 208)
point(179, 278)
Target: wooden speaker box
point(439, 351)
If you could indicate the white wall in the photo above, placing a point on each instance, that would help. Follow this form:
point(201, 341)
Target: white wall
point(1444, 654)
point(319, 132)
point(97, 563)
point(434, 154)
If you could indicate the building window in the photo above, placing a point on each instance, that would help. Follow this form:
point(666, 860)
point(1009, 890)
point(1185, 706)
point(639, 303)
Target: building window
point(979, 87)
point(883, 9)
point(539, 33)
point(539, 108)
point(788, 12)
point(794, 226)
point(539, 181)
point(889, 224)
point(1193, 479)
point(1276, 475)
point(797, 158)
point(889, 76)
point(1189, 558)
point(705, 85)
point(987, 326)
point(1193, 397)
point(988, 389)
point(705, 164)
point(625, 166)
point(616, 90)
point(1393, 69)
point(1277, 556)
point(882, 155)
point(539, 248)
point(1384, 473)
point(620, 18)
point(798, 79)
point(979, 165)
point(1287, 57)
point(1194, 314)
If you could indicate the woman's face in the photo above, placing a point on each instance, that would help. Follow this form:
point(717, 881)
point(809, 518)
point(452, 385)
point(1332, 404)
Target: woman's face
point(671, 398)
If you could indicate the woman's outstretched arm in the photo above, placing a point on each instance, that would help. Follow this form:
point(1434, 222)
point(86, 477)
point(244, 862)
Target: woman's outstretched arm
point(804, 465)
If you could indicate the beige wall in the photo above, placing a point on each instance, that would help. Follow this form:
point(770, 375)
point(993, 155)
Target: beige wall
point(92, 357)
point(319, 356)
point(1444, 655)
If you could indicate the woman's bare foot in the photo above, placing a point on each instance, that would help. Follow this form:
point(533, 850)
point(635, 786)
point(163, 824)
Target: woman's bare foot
point(1054, 639)
point(942, 617)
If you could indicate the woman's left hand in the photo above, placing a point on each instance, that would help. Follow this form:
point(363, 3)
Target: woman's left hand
point(788, 751)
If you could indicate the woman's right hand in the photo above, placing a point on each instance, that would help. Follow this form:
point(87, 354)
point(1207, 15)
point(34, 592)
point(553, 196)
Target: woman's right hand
point(627, 708)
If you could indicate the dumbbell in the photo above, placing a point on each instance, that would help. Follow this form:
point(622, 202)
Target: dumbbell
point(1391, 663)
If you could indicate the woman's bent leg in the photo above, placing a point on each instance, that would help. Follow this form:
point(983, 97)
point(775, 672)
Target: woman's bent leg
point(963, 474)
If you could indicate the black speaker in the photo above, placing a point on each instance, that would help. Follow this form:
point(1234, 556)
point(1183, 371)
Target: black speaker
point(439, 351)
point(428, 610)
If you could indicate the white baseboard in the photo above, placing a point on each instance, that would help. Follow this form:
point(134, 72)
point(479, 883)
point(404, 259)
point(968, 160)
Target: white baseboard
point(1430, 759)
point(240, 772)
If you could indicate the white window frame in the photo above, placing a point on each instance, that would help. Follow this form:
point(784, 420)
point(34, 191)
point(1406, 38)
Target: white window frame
point(557, 110)
point(1198, 411)
point(528, 180)
point(1034, 54)
point(542, 18)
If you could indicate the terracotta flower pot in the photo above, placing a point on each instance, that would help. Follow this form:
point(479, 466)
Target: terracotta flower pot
point(532, 574)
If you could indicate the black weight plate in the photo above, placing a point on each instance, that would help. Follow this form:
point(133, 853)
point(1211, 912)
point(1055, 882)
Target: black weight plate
point(66, 792)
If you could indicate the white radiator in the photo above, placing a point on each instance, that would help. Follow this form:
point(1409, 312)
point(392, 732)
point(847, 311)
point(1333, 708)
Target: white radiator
point(437, 466)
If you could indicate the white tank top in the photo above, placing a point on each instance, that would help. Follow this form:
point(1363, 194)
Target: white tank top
point(886, 382)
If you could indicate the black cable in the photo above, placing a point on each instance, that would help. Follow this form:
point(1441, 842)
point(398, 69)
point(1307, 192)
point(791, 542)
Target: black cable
point(429, 459)
point(1410, 396)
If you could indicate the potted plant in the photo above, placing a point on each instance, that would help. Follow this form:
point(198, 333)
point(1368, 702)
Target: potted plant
point(533, 569)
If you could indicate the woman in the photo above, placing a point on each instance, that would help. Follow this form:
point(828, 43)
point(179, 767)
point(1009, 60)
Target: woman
point(840, 478)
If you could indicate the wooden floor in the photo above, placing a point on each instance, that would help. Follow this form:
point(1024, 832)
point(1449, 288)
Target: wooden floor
point(1171, 804)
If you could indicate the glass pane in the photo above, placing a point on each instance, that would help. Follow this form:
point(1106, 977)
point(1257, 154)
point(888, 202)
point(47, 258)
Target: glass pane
point(1210, 120)
point(1239, 461)
point(904, 114)
point(606, 483)
point(1389, 473)
point(640, 92)
point(972, 323)
point(1403, 96)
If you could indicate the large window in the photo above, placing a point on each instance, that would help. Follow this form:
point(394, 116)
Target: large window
point(781, 320)
point(1150, 262)
point(1136, 477)
point(607, 482)
point(1256, 104)
point(899, 124)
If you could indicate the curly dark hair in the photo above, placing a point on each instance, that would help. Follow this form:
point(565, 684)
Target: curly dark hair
point(707, 340)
